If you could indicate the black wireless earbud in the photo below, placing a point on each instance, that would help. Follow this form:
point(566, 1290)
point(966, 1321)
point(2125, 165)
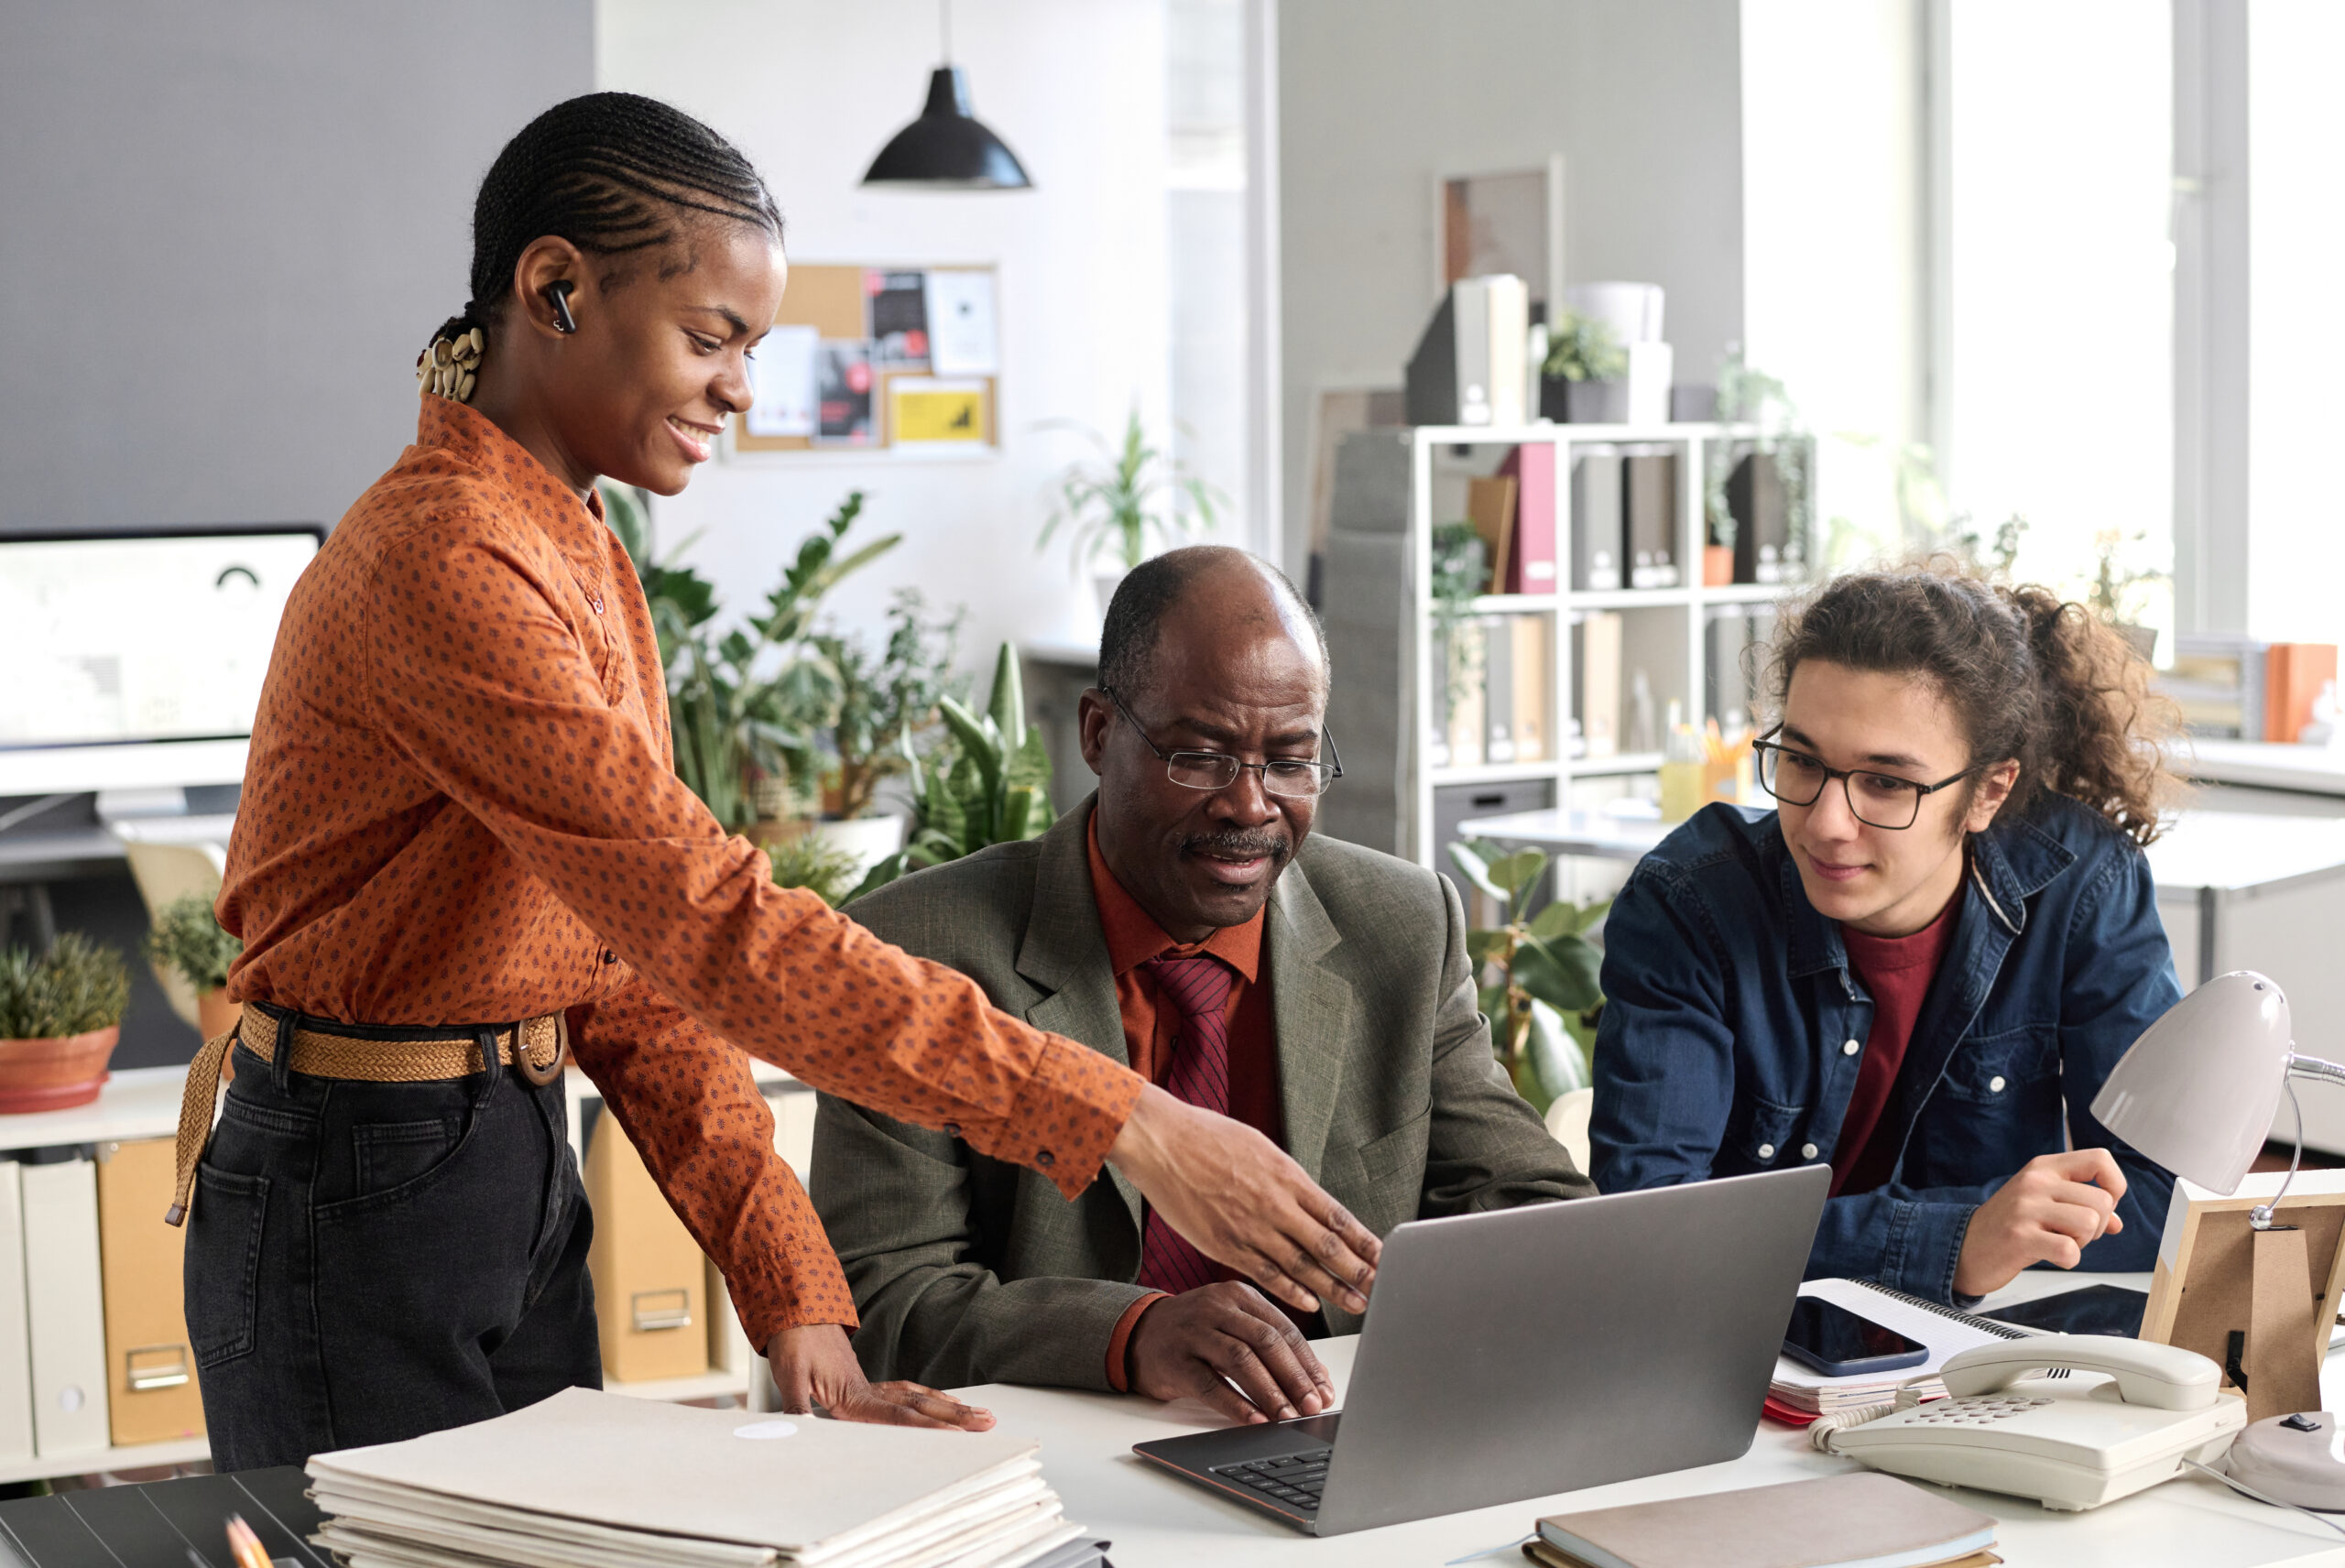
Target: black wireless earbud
point(558, 295)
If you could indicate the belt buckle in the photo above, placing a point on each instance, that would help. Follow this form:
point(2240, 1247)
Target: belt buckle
point(533, 1076)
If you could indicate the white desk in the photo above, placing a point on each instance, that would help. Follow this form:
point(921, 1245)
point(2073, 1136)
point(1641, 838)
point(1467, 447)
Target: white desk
point(1157, 1520)
point(2309, 769)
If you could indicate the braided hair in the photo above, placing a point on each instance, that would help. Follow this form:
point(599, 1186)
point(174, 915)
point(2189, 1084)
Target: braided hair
point(612, 173)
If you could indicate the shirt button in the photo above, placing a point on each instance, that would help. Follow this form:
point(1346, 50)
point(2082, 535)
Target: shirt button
point(1849, 1048)
point(1807, 1151)
point(952, 1130)
point(1766, 1151)
point(1995, 1085)
point(1045, 1158)
point(609, 957)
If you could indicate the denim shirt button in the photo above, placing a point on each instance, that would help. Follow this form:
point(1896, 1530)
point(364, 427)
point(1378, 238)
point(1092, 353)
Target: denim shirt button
point(1807, 1151)
point(1850, 1047)
point(1766, 1151)
point(1995, 1084)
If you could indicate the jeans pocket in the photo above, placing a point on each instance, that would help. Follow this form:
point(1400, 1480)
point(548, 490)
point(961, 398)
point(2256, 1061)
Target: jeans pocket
point(391, 1154)
point(223, 1270)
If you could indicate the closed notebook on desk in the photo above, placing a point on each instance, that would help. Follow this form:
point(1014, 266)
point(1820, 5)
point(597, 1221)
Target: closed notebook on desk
point(1840, 1521)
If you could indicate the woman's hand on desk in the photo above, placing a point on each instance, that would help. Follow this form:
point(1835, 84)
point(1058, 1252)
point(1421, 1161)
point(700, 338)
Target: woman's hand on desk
point(2049, 1213)
point(815, 1365)
point(1196, 1344)
point(1241, 1201)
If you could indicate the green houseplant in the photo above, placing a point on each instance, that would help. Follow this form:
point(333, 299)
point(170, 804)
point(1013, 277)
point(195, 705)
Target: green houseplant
point(186, 941)
point(1584, 377)
point(60, 1016)
point(883, 701)
point(1114, 506)
point(989, 784)
point(1539, 975)
point(747, 710)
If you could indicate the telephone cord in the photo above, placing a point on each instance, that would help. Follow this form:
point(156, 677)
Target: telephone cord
point(2243, 1489)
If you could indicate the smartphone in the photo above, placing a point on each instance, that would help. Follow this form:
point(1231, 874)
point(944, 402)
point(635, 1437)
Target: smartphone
point(1838, 1344)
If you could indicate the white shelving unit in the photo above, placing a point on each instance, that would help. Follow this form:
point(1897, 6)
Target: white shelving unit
point(144, 1103)
point(1672, 652)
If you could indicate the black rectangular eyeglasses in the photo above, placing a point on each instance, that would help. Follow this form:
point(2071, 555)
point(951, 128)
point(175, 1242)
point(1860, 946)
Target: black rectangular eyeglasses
point(1289, 777)
point(1876, 800)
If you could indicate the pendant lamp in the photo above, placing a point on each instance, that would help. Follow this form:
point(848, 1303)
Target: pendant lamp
point(946, 148)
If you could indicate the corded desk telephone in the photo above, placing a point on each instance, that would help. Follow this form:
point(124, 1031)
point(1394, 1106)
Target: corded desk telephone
point(2005, 1428)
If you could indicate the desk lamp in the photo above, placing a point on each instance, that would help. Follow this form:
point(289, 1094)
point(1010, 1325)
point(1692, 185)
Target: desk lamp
point(2197, 1094)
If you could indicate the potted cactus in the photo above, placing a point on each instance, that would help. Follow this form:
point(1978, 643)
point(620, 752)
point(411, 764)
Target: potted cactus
point(186, 941)
point(60, 1016)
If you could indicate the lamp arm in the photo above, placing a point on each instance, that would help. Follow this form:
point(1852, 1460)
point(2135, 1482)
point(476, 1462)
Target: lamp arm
point(2260, 1216)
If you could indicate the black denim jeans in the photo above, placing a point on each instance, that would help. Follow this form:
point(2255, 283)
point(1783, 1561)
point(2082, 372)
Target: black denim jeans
point(367, 1262)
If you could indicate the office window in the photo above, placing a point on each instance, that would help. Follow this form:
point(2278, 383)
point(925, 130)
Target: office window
point(2056, 278)
point(1206, 229)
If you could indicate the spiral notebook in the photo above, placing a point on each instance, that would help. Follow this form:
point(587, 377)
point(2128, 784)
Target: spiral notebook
point(1946, 1331)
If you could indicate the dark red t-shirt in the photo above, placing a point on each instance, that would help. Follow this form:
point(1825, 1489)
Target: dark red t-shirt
point(1897, 971)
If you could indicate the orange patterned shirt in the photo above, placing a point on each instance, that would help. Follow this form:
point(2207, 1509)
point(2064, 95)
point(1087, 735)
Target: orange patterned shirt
point(461, 807)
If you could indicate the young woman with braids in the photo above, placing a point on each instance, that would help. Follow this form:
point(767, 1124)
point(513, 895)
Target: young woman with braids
point(1923, 964)
point(463, 848)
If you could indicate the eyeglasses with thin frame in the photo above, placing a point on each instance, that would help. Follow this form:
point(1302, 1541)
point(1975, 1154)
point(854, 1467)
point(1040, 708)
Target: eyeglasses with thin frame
point(1290, 778)
point(1876, 800)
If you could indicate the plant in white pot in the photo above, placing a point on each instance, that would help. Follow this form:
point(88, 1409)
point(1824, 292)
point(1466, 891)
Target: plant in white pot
point(1133, 494)
point(188, 941)
point(61, 1017)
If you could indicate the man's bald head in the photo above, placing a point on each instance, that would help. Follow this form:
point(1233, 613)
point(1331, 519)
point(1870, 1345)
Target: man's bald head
point(1242, 594)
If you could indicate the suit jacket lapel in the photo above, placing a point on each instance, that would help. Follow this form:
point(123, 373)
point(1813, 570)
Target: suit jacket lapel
point(1063, 953)
point(1311, 1008)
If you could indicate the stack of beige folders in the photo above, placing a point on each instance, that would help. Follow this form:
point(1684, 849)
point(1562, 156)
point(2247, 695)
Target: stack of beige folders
point(593, 1480)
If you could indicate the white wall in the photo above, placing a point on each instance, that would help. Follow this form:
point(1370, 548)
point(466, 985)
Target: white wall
point(1379, 97)
point(811, 92)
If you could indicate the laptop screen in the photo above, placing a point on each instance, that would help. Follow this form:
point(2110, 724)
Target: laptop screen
point(154, 637)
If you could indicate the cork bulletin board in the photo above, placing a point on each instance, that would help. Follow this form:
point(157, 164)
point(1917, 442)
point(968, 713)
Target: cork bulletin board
point(901, 360)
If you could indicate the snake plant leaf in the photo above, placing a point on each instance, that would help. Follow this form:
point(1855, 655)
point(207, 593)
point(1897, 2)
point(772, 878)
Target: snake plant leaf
point(1029, 764)
point(1469, 860)
point(1518, 871)
point(1006, 704)
point(980, 742)
point(1561, 974)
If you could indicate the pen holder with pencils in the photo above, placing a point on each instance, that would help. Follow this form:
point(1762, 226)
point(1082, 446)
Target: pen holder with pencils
point(1697, 769)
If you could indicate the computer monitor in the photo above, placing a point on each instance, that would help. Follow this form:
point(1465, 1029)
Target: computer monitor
point(136, 659)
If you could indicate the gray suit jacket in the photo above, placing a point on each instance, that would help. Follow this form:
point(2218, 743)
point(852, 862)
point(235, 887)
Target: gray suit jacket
point(969, 1271)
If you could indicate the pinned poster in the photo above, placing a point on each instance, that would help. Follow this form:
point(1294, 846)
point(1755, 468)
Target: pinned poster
point(962, 339)
point(925, 413)
point(898, 316)
point(782, 382)
point(842, 396)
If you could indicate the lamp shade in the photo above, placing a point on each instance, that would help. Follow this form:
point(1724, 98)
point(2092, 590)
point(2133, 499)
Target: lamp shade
point(2197, 1092)
point(946, 148)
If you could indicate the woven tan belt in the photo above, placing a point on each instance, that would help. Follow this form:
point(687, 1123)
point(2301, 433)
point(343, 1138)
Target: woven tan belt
point(543, 1046)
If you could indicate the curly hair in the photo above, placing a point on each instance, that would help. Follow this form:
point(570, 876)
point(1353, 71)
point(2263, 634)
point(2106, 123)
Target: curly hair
point(2030, 677)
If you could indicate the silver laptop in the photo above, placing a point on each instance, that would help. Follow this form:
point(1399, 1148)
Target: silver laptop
point(1538, 1350)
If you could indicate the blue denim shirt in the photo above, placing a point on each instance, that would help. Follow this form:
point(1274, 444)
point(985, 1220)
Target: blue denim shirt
point(1723, 1046)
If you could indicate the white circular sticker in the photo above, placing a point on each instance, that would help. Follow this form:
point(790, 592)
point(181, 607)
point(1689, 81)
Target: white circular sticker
point(767, 1430)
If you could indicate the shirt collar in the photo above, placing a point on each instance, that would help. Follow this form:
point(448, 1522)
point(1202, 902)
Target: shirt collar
point(477, 441)
point(1134, 936)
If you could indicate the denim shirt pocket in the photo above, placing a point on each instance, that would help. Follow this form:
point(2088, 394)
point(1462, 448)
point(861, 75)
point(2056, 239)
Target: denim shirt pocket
point(1759, 1135)
point(2007, 1068)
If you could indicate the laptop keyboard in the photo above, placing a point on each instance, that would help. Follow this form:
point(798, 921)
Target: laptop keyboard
point(1294, 1479)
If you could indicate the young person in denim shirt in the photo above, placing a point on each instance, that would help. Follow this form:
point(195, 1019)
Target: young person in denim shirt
point(1923, 964)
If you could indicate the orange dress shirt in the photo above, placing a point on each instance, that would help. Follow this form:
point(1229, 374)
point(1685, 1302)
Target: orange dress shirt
point(461, 807)
point(1150, 1028)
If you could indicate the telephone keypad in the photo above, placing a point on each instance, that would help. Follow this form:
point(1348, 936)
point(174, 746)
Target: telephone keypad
point(1977, 1411)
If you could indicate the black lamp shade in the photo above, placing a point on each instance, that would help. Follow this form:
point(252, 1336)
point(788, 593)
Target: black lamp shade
point(946, 148)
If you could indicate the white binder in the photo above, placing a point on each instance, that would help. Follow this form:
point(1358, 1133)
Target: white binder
point(15, 1349)
point(65, 1307)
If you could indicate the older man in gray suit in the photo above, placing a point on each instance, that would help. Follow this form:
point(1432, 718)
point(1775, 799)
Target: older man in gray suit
point(1182, 921)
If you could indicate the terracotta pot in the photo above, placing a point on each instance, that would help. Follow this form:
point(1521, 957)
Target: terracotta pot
point(215, 1014)
point(52, 1074)
point(1717, 565)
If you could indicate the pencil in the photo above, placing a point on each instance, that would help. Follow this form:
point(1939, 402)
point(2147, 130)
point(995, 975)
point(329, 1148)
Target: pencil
point(243, 1546)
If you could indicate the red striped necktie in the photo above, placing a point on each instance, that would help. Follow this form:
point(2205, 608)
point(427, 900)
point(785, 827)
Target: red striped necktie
point(1199, 987)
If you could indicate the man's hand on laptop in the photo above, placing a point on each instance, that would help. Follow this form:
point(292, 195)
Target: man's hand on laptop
point(1241, 1201)
point(1199, 1342)
point(814, 1365)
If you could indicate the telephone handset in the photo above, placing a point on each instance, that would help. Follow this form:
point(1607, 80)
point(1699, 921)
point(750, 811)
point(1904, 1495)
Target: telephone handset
point(2005, 1428)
